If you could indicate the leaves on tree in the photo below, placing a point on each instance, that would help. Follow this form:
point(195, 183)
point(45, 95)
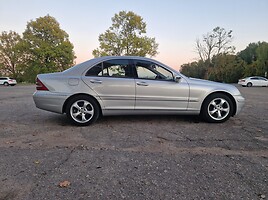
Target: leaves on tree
point(126, 36)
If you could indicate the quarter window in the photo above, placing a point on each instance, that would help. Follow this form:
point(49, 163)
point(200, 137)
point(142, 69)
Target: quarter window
point(95, 71)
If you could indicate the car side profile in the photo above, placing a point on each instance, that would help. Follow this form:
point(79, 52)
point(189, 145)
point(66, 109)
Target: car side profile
point(7, 81)
point(253, 81)
point(127, 85)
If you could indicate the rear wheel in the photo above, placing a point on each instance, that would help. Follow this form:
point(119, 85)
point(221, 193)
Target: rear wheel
point(6, 84)
point(249, 84)
point(82, 110)
point(217, 108)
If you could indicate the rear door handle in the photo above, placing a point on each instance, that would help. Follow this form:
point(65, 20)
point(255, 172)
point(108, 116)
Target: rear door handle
point(95, 81)
point(142, 83)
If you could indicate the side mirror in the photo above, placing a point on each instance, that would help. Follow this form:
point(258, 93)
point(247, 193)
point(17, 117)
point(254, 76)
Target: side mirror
point(177, 79)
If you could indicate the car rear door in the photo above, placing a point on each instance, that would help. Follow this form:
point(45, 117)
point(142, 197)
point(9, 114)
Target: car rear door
point(113, 81)
point(263, 81)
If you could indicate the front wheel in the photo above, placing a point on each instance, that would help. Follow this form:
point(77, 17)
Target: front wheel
point(217, 108)
point(6, 83)
point(82, 110)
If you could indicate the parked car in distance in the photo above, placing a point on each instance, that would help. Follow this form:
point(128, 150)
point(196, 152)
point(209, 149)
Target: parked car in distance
point(127, 85)
point(253, 81)
point(7, 81)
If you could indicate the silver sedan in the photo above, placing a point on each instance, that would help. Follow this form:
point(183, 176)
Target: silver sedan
point(126, 85)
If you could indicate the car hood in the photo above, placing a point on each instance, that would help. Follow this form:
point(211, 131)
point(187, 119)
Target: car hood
point(205, 82)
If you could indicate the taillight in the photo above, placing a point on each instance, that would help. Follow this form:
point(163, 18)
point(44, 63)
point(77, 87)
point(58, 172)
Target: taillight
point(40, 85)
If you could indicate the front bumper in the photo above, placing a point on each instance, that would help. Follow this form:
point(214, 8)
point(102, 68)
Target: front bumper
point(240, 101)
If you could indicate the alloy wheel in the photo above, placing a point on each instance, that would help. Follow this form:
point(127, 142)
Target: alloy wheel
point(82, 111)
point(218, 109)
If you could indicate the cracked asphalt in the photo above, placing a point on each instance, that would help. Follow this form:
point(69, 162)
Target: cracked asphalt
point(132, 157)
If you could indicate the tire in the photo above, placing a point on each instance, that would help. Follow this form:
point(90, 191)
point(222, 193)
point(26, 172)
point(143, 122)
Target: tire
point(249, 84)
point(82, 110)
point(217, 108)
point(6, 84)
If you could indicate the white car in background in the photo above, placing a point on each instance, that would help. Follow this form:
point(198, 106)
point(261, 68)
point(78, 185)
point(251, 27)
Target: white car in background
point(253, 81)
point(7, 81)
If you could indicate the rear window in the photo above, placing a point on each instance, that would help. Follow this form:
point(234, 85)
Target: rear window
point(118, 68)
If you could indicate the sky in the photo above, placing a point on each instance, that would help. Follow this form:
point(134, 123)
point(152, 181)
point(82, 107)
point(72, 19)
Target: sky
point(175, 24)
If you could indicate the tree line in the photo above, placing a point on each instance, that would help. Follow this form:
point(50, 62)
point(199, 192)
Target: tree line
point(44, 47)
point(218, 62)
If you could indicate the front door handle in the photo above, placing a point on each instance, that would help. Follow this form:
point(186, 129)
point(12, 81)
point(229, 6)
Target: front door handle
point(142, 83)
point(95, 81)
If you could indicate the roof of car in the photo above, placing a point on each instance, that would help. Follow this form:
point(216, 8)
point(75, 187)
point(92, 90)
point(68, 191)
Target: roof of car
point(255, 77)
point(82, 67)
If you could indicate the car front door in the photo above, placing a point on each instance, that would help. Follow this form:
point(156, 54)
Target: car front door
point(263, 81)
point(113, 81)
point(156, 88)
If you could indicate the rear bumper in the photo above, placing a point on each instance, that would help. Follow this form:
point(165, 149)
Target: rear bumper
point(49, 101)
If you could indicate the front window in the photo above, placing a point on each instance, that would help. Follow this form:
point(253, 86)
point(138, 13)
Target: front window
point(149, 70)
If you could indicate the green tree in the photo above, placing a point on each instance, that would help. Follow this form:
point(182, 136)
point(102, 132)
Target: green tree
point(250, 69)
point(11, 53)
point(126, 37)
point(194, 69)
point(256, 57)
point(249, 54)
point(47, 47)
point(262, 59)
point(226, 68)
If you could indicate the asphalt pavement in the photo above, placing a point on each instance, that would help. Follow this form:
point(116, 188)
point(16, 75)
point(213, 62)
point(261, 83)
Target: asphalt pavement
point(42, 156)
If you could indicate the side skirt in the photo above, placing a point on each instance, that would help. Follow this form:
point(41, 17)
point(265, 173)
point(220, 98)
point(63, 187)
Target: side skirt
point(150, 112)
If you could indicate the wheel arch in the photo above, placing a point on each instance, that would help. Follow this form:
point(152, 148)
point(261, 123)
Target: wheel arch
point(78, 94)
point(225, 93)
